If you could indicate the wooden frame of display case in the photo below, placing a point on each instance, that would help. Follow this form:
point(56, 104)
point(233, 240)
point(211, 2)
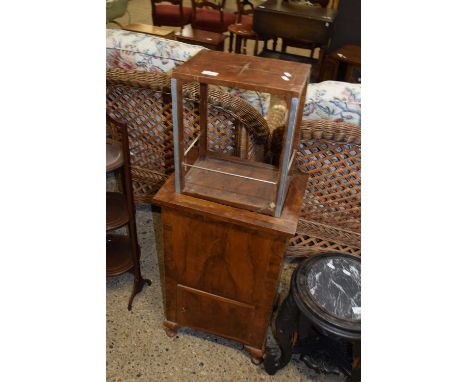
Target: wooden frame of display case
point(230, 180)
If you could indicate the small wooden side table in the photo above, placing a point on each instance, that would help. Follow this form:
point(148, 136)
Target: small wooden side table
point(344, 64)
point(210, 40)
point(321, 317)
point(150, 29)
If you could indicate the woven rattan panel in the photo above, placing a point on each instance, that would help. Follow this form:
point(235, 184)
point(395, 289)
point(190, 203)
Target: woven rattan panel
point(302, 245)
point(149, 121)
point(234, 107)
point(333, 193)
point(223, 134)
point(222, 130)
point(330, 153)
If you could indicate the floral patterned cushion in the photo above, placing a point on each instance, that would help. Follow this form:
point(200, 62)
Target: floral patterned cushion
point(138, 51)
point(334, 101)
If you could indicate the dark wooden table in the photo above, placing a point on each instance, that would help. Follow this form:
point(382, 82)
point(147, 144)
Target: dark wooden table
point(295, 21)
point(210, 40)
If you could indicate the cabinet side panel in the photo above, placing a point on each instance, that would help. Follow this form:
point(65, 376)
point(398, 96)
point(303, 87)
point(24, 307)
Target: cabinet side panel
point(264, 308)
point(170, 283)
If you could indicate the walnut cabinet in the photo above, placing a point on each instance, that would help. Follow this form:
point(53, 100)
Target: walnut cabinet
point(222, 264)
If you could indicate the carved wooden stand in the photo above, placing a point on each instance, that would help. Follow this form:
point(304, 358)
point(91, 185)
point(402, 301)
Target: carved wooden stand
point(334, 349)
point(222, 264)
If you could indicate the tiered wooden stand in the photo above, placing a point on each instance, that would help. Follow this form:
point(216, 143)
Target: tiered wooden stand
point(122, 251)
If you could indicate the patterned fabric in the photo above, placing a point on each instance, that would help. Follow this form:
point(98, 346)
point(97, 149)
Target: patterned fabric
point(138, 51)
point(260, 101)
point(333, 101)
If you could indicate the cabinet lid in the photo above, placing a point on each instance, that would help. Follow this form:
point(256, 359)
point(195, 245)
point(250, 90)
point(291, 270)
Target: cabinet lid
point(286, 224)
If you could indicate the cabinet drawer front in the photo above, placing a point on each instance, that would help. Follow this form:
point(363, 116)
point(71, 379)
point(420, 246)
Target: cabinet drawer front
point(215, 314)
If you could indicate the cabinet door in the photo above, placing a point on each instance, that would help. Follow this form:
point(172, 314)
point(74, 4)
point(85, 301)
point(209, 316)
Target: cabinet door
point(224, 259)
point(220, 277)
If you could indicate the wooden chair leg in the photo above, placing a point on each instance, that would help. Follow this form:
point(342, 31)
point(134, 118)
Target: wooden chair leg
point(238, 44)
point(256, 47)
point(275, 42)
point(244, 46)
point(231, 37)
point(283, 46)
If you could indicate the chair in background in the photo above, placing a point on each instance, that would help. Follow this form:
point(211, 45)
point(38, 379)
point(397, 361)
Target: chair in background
point(172, 14)
point(210, 16)
point(242, 29)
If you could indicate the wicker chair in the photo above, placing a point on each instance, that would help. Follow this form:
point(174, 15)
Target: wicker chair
point(330, 153)
point(143, 100)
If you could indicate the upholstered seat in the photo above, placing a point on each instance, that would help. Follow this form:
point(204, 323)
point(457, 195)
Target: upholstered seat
point(169, 15)
point(209, 20)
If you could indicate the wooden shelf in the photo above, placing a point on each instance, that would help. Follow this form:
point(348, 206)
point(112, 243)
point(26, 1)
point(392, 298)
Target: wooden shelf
point(114, 156)
point(116, 211)
point(118, 255)
point(231, 190)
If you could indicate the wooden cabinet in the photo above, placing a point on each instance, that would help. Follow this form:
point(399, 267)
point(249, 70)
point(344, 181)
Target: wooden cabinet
point(222, 264)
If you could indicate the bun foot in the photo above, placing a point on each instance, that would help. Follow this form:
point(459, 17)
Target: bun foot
point(256, 355)
point(256, 361)
point(170, 328)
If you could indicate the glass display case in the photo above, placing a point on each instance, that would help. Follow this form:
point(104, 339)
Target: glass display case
point(228, 177)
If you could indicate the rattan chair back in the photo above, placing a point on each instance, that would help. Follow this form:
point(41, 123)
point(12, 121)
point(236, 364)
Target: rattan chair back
point(330, 153)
